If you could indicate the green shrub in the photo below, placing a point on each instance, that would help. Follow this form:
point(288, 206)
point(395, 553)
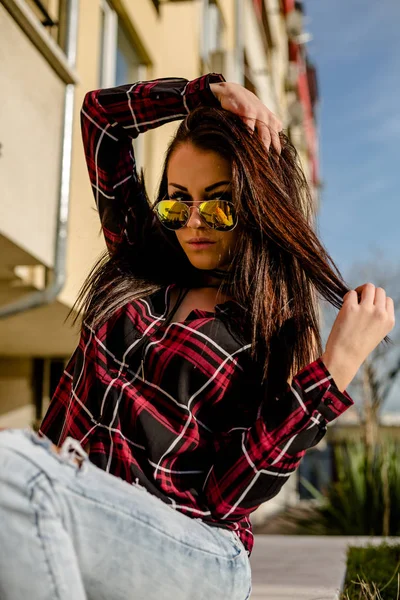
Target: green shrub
point(366, 498)
point(373, 573)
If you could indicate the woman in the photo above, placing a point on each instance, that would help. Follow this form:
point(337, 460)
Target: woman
point(182, 384)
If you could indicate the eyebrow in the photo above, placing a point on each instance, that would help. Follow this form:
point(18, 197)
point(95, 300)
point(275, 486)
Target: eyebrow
point(207, 189)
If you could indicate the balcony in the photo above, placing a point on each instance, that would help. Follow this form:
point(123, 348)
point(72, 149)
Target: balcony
point(31, 137)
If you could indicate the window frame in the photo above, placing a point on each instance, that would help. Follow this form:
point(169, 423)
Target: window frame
point(108, 62)
point(108, 45)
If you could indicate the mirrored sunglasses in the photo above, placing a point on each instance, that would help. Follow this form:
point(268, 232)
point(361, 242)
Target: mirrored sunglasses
point(216, 214)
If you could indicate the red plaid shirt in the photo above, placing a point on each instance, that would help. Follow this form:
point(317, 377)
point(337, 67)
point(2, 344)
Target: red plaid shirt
point(193, 425)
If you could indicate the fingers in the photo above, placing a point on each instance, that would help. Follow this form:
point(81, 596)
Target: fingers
point(351, 297)
point(372, 295)
point(265, 134)
point(375, 297)
point(380, 299)
point(368, 293)
point(276, 141)
point(268, 130)
point(240, 101)
point(390, 309)
point(250, 122)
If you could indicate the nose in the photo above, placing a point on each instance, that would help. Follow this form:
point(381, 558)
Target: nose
point(195, 221)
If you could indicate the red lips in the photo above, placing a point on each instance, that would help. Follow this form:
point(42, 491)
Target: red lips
point(200, 243)
point(200, 240)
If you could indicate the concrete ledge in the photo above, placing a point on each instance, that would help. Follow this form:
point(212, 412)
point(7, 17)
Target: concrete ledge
point(303, 567)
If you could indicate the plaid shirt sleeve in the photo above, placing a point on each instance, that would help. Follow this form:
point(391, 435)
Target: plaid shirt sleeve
point(252, 464)
point(110, 119)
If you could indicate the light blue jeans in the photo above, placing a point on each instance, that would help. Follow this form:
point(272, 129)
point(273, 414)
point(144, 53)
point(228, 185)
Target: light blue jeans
point(75, 532)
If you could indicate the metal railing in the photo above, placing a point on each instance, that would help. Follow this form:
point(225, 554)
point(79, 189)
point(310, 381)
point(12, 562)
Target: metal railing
point(47, 19)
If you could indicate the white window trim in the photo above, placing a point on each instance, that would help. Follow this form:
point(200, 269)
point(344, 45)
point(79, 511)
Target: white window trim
point(107, 76)
point(109, 66)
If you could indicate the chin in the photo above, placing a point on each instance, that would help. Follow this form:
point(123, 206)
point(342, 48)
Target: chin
point(207, 261)
point(205, 265)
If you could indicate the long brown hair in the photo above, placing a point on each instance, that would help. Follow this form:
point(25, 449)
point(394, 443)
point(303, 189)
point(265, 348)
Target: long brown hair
point(279, 267)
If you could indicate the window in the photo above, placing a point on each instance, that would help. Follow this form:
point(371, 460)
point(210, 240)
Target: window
point(120, 61)
point(128, 65)
point(108, 46)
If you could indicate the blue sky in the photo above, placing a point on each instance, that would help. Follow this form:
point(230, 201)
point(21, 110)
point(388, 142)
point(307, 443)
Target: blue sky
point(356, 47)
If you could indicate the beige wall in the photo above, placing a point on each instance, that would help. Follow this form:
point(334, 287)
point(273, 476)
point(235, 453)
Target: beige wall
point(39, 332)
point(30, 124)
point(15, 383)
point(18, 418)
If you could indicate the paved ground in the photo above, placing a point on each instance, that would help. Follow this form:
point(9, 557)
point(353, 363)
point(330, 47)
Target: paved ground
point(297, 567)
point(289, 567)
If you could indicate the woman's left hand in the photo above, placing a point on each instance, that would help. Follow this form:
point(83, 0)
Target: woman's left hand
point(254, 113)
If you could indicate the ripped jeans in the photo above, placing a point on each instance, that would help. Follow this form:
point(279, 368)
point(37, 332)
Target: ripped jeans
point(71, 531)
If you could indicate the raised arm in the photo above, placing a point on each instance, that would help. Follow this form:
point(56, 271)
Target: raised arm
point(253, 463)
point(110, 119)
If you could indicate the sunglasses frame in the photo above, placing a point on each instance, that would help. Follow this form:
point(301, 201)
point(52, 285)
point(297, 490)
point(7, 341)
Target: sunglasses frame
point(198, 209)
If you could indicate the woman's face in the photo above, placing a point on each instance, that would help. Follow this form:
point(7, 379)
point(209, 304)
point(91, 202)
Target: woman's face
point(193, 177)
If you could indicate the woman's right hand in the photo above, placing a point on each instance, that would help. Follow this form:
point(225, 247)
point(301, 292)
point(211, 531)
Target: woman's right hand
point(238, 100)
point(366, 317)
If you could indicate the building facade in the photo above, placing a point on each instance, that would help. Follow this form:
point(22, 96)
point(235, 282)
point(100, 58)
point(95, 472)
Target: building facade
point(51, 53)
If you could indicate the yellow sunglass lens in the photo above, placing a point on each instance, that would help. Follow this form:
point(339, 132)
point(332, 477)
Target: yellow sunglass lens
point(217, 213)
point(173, 214)
point(223, 217)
